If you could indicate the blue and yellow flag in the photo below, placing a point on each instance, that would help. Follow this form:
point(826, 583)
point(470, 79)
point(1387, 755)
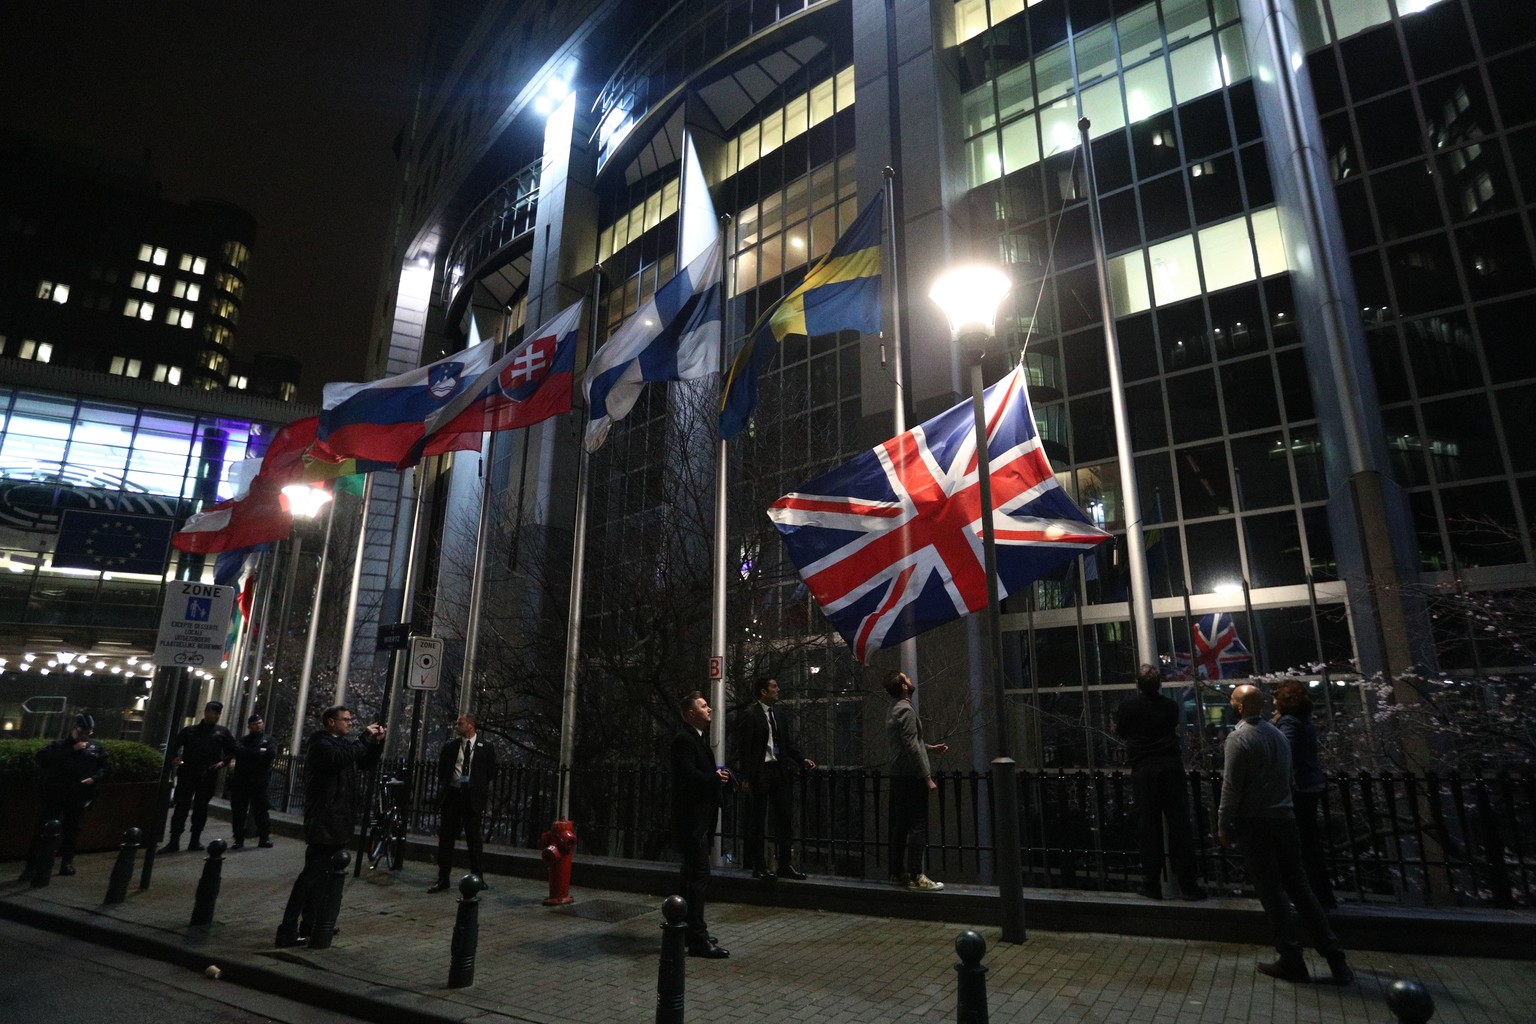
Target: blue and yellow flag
point(841, 293)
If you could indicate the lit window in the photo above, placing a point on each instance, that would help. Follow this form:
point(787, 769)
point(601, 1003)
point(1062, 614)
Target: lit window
point(154, 254)
point(238, 382)
point(44, 351)
point(193, 264)
point(286, 391)
point(227, 309)
point(54, 290)
point(235, 254)
point(125, 367)
point(28, 349)
point(172, 314)
point(218, 334)
point(232, 284)
point(187, 290)
point(167, 374)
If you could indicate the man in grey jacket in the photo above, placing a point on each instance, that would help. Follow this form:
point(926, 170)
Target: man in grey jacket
point(1256, 811)
point(911, 779)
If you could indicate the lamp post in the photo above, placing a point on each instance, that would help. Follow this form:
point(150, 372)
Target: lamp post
point(306, 502)
point(969, 297)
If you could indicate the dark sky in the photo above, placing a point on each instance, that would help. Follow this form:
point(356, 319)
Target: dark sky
point(286, 109)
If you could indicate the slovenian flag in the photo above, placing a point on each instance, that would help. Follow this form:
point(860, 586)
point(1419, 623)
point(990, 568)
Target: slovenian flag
point(383, 420)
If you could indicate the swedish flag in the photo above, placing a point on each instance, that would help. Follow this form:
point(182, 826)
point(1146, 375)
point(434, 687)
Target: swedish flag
point(841, 293)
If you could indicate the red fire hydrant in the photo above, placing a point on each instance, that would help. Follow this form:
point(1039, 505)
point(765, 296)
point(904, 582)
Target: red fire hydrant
point(559, 843)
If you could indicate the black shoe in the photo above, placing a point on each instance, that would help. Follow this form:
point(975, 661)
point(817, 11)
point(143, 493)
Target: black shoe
point(238, 844)
point(790, 871)
point(1194, 895)
point(265, 844)
point(285, 939)
point(1339, 967)
point(763, 875)
point(710, 952)
point(1286, 970)
point(67, 868)
point(174, 846)
point(1150, 893)
point(438, 886)
point(195, 847)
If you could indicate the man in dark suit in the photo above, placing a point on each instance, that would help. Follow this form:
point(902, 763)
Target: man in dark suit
point(698, 784)
point(197, 752)
point(767, 766)
point(465, 769)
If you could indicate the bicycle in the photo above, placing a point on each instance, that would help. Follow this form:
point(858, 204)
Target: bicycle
point(386, 829)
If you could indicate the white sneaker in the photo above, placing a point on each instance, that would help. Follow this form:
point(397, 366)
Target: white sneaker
point(922, 883)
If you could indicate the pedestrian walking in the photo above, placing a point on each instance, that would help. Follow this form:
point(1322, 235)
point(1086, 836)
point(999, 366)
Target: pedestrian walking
point(249, 781)
point(911, 782)
point(1256, 812)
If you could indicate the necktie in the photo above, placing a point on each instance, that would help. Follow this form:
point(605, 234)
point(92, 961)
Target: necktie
point(773, 735)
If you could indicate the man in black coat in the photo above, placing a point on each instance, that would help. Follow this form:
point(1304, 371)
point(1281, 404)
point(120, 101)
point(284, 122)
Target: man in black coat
point(768, 762)
point(698, 784)
point(334, 763)
point(248, 783)
point(198, 752)
point(1149, 723)
point(69, 772)
point(466, 767)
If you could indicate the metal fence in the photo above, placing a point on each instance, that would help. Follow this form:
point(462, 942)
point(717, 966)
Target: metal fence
point(1389, 837)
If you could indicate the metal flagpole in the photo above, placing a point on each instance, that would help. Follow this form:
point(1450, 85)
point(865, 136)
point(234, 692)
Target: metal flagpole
point(309, 643)
point(236, 662)
point(344, 659)
point(254, 648)
point(899, 410)
point(1130, 501)
point(285, 609)
point(573, 613)
point(477, 575)
point(722, 544)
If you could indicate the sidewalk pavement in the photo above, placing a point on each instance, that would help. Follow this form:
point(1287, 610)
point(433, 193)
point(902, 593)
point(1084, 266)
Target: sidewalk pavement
point(596, 959)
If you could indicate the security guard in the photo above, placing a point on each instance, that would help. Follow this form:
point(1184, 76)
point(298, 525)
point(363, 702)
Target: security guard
point(198, 752)
point(248, 783)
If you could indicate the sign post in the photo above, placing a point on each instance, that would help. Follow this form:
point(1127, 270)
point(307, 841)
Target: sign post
point(193, 624)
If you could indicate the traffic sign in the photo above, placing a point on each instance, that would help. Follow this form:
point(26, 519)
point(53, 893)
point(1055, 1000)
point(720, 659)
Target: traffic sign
point(193, 624)
point(716, 667)
point(45, 705)
point(426, 663)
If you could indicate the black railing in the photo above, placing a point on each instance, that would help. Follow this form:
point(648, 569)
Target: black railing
point(1461, 840)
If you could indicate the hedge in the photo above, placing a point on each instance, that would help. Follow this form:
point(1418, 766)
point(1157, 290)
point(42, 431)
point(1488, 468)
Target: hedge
point(128, 761)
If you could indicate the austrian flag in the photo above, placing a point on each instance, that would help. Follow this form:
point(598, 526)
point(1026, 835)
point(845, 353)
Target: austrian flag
point(890, 542)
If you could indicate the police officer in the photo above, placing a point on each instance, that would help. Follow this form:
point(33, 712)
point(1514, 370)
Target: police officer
point(248, 783)
point(198, 752)
point(69, 772)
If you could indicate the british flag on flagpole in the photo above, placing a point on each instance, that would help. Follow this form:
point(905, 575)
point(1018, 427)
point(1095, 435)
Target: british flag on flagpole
point(889, 543)
point(1219, 652)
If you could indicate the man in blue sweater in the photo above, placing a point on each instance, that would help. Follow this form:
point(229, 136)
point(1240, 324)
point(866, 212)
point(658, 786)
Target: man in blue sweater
point(1256, 811)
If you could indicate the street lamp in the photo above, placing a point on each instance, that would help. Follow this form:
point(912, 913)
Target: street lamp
point(969, 297)
point(307, 501)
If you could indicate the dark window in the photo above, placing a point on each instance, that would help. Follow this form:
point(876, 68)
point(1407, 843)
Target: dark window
point(1074, 237)
point(1203, 484)
point(1339, 148)
point(1144, 407)
point(1455, 109)
point(1248, 388)
point(1355, 213)
point(1481, 522)
point(1501, 26)
point(1165, 562)
point(1405, 201)
point(1295, 385)
point(1474, 181)
point(1385, 134)
point(1181, 332)
point(1405, 447)
point(1047, 25)
point(1442, 354)
point(1522, 149)
point(1327, 89)
point(1204, 123)
point(1261, 191)
point(1261, 471)
point(1237, 321)
point(1517, 409)
point(1121, 229)
point(1387, 365)
point(1024, 195)
point(1138, 350)
point(1092, 429)
point(1307, 455)
point(1459, 437)
point(1154, 145)
point(1505, 330)
point(1370, 286)
point(1320, 544)
point(1426, 524)
point(1245, 112)
point(1193, 412)
point(1495, 257)
point(1423, 275)
point(1213, 559)
point(1274, 550)
point(1214, 188)
point(1437, 40)
point(1154, 484)
point(1511, 78)
point(1078, 291)
point(1164, 207)
point(1086, 365)
point(1112, 161)
point(1372, 63)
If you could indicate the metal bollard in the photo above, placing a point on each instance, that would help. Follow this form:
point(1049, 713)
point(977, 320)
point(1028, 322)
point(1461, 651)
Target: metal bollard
point(971, 990)
point(122, 871)
point(674, 960)
point(466, 933)
point(1410, 1002)
point(324, 926)
point(47, 848)
point(208, 885)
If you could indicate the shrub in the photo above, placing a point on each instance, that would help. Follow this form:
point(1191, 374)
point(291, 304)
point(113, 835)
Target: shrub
point(129, 761)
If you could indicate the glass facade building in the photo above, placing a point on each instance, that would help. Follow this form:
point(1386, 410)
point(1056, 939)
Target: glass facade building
point(795, 108)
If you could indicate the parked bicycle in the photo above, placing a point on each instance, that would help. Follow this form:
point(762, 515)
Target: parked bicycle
point(386, 828)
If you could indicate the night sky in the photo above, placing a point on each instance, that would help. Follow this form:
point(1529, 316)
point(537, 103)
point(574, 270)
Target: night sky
point(288, 110)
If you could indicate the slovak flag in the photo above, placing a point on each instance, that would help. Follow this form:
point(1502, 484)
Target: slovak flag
point(890, 542)
point(1219, 653)
point(382, 420)
point(528, 385)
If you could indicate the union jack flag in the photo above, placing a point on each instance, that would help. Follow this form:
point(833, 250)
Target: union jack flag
point(1218, 651)
point(889, 543)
